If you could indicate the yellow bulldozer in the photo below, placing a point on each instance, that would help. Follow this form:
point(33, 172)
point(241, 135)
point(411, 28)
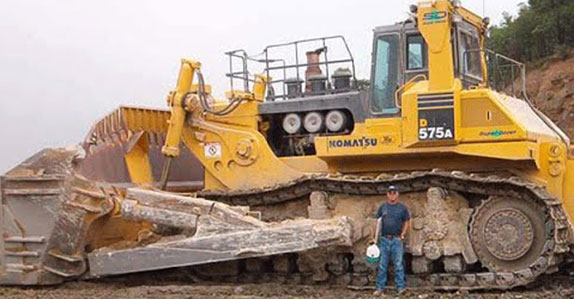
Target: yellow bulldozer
point(282, 178)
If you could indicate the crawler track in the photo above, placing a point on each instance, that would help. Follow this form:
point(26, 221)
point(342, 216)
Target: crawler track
point(558, 234)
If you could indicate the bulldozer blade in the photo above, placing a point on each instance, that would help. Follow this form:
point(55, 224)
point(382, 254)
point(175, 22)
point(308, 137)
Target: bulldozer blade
point(213, 242)
point(45, 215)
point(111, 139)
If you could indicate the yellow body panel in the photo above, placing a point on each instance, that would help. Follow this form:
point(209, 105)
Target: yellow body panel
point(241, 158)
point(434, 21)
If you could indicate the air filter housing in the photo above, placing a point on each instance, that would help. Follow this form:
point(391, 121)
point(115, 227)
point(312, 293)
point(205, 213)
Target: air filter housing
point(318, 84)
point(342, 79)
point(293, 87)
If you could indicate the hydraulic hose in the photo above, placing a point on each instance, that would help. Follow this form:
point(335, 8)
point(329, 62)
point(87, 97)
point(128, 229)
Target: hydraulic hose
point(233, 104)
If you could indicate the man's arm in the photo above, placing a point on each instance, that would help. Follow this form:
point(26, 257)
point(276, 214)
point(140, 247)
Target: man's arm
point(376, 232)
point(406, 225)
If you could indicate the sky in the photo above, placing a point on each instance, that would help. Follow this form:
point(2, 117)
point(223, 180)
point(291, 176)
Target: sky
point(64, 64)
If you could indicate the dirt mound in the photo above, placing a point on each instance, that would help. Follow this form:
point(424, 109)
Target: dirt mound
point(550, 85)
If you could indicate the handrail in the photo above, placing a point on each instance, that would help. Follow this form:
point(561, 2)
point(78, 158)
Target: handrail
point(409, 84)
point(510, 63)
point(280, 66)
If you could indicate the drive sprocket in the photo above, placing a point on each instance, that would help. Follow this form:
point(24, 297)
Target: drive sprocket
point(508, 234)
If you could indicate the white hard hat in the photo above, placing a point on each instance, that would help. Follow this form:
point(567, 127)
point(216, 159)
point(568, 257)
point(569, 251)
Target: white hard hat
point(373, 254)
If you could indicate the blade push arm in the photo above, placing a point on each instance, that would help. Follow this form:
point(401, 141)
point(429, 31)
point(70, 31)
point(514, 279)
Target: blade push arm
point(176, 101)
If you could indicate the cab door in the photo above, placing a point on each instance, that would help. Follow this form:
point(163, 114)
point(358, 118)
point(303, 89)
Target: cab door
point(385, 75)
point(398, 56)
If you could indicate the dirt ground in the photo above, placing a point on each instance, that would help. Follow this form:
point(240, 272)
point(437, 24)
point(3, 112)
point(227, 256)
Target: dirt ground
point(555, 286)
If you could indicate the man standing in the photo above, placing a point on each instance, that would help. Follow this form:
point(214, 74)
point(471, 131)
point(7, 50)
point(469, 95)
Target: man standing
point(394, 219)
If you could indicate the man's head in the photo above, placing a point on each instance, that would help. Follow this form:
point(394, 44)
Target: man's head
point(393, 194)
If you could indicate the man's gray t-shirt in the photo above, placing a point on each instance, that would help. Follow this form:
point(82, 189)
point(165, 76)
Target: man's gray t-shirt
point(393, 216)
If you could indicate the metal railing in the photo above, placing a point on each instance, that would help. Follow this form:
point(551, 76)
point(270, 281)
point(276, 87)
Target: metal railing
point(504, 74)
point(244, 75)
point(277, 68)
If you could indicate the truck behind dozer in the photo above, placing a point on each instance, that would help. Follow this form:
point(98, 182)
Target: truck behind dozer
point(282, 178)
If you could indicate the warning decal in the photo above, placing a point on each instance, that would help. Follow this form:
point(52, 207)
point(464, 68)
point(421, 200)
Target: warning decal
point(212, 150)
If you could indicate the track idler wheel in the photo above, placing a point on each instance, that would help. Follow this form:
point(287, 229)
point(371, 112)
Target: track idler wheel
point(508, 234)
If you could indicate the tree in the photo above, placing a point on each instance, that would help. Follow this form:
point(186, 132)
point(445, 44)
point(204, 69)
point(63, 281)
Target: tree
point(539, 30)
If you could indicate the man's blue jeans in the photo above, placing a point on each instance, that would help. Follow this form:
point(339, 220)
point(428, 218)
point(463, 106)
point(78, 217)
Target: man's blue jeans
point(391, 250)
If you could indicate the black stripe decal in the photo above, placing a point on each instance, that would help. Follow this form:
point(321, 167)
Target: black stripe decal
point(437, 104)
point(448, 94)
point(436, 99)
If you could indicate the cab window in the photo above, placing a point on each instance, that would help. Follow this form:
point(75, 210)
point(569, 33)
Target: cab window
point(417, 56)
point(385, 74)
point(470, 54)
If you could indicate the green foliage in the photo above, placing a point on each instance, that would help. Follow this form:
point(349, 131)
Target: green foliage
point(541, 28)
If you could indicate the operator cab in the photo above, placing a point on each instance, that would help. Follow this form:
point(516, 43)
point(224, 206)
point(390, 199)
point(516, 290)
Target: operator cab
point(400, 54)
